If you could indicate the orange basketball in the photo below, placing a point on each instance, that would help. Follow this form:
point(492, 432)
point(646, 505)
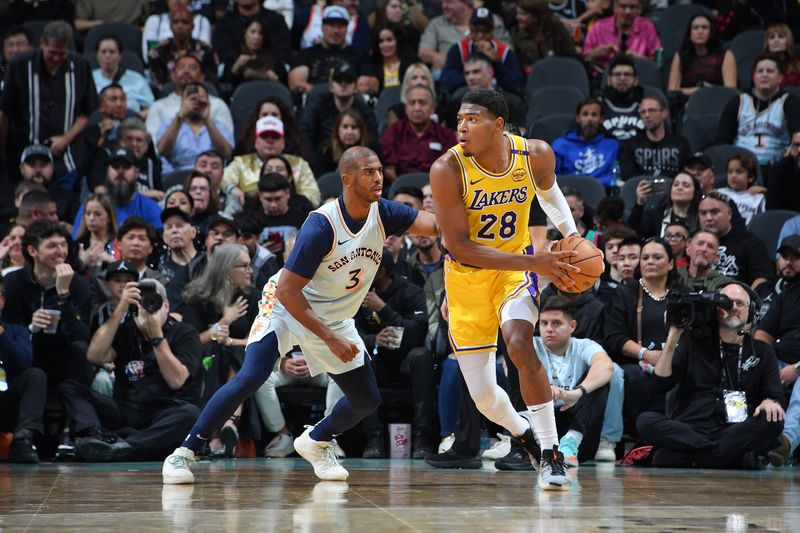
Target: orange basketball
point(589, 260)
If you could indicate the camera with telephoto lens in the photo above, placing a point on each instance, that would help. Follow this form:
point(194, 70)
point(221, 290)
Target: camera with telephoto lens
point(151, 301)
point(695, 309)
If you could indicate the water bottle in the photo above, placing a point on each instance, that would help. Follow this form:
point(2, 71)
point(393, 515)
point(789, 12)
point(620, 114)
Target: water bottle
point(484, 440)
point(658, 56)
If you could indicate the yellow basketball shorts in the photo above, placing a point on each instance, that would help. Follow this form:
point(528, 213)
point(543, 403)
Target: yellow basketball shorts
point(477, 298)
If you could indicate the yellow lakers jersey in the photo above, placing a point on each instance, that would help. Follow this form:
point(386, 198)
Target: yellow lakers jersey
point(498, 205)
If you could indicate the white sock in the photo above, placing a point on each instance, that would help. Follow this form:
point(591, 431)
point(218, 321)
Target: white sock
point(544, 424)
point(577, 435)
point(492, 401)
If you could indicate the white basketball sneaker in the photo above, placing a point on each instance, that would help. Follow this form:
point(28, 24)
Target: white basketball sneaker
point(321, 456)
point(176, 469)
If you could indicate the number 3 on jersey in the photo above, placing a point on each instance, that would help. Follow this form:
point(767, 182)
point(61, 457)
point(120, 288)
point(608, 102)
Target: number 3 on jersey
point(507, 225)
point(355, 279)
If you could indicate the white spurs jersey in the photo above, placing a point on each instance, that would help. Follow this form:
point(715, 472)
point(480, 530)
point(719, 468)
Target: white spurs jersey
point(346, 272)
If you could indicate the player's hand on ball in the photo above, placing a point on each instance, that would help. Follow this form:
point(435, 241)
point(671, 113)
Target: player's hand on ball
point(342, 348)
point(552, 265)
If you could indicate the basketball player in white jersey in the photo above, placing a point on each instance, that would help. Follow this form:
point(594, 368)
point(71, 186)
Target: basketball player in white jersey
point(310, 303)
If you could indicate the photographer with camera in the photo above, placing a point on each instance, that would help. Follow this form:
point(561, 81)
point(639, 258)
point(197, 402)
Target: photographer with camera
point(727, 405)
point(157, 389)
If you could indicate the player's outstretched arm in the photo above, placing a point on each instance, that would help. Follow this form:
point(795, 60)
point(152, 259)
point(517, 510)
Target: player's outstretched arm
point(452, 218)
point(543, 166)
point(425, 224)
point(290, 295)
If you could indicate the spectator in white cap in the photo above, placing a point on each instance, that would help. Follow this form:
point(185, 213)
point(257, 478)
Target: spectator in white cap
point(244, 170)
point(316, 123)
point(314, 64)
point(308, 24)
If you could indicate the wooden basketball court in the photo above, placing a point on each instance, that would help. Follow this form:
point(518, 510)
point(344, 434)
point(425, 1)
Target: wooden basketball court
point(391, 495)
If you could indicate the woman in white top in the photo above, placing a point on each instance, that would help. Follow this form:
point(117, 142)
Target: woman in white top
point(157, 29)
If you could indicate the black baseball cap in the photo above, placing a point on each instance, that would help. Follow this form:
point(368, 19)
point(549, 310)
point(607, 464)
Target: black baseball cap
point(792, 242)
point(175, 212)
point(122, 267)
point(123, 154)
point(343, 71)
point(698, 158)
point(482, 17)
point(217, 219)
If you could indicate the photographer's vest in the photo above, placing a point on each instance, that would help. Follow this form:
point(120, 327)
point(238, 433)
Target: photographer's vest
point(765, 133)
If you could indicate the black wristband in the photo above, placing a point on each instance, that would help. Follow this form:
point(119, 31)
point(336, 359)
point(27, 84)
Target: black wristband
point(155, 341)
point(582, 389)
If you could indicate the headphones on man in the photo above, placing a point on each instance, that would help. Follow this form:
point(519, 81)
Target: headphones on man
point(754, 310)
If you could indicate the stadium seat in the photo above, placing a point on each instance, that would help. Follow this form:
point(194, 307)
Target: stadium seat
point(710, 100)
point(590, 188)
point(129, 34)
point(561, 99)
point(551, 127)
point(719, 155)
point(746, 46)
point(129, 61)
point(177, 177)
point(249, 94)
point(767, 226)
point(330, 185)
point(35, 28)
point(700, 131)
point(412, 179)
point(676, 18)
point(558, 71)
point(388, 98)
point(628, 191)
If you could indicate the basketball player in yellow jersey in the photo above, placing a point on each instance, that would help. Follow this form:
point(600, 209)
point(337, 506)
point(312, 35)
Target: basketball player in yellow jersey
point(482, 190)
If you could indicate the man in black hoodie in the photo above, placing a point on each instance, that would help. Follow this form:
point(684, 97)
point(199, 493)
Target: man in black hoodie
point(53, 302)
point(621, 97)
point(742, 255)
point(395, 302)
point(229, 31)
point(727, 404)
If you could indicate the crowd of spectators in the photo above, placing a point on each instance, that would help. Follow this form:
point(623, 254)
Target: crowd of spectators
point(147, 199)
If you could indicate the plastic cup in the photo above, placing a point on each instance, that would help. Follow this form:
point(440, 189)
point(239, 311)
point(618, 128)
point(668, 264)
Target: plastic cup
point(398, 337)
point(55, 316)
point(400, 441)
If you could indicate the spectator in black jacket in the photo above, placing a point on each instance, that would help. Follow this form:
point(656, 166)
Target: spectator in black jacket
point(157, 387)
point(742, 255)
point(47, 297)
point(709, 427)
point(229, 31)
point(320, 112)
point(654, 151)
point(22, 399)
point(621, 98)
point(314, 65)
point(397, 355)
